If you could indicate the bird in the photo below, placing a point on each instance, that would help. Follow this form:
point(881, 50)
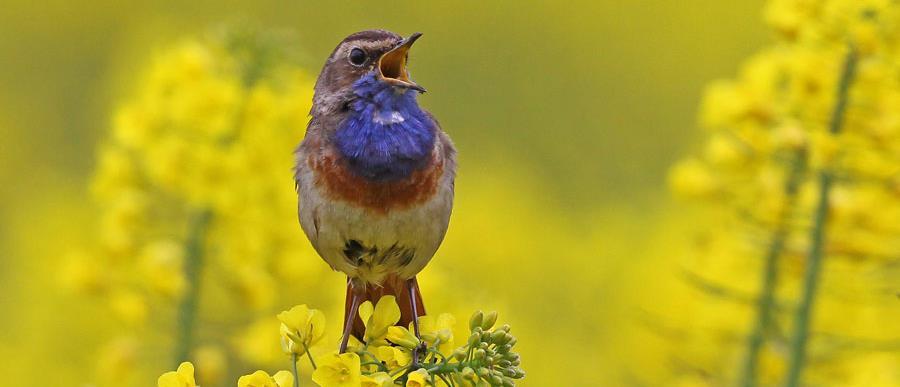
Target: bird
point(374, 175)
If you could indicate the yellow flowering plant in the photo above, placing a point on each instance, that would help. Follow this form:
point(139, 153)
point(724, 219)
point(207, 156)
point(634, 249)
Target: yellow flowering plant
point(196, 217)
point(385, 359)
point(800, 176)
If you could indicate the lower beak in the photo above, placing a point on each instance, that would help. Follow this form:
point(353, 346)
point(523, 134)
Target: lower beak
point(392, 65)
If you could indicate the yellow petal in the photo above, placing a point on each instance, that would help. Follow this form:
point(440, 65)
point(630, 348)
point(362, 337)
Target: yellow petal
point(284, 378)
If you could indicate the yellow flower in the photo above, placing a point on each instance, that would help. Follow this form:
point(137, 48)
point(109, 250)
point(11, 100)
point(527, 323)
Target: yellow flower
point(338, 371)
point(402, 337)
point(378, 379)
point(418, 378)
point(161, 265)
point(438, 329)
point(183, 377)
point(212, 365)
point(377, 320)
point(129, 306)
point(392, 357)
point(81, 273)
point(301, 327)
point(692, 178)
point(262, 379)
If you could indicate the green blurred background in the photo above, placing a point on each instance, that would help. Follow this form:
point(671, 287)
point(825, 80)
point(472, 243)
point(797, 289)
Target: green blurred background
point(586, 103)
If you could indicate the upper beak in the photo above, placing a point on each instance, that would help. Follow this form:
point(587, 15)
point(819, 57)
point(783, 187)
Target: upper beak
point(392, 65)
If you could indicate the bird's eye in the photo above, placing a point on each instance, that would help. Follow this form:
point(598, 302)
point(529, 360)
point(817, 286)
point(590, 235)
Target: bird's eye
point(357, 56)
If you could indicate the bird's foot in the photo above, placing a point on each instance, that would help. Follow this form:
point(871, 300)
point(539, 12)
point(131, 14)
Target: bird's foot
point(421, 348)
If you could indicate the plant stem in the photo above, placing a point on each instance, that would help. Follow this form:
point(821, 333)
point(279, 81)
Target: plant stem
point(309, 355)
point(765, 303)
point(294, 369)
point(815, 255)
point(193, 264)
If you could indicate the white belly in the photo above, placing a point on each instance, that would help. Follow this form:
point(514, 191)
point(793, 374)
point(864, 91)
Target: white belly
point(401, 241)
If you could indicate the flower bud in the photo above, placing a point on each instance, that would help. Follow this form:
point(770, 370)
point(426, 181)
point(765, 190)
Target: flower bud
point(474, 339)
point(476, 320)
point(489, 320)
point(498, 337)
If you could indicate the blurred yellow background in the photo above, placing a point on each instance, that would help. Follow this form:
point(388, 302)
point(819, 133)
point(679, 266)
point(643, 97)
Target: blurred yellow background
point(567, 117)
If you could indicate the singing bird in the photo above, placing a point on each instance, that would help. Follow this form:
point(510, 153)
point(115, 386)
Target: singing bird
point(374, 175)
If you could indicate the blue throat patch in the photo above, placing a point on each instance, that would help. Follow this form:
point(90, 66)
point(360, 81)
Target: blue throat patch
point(386, 135)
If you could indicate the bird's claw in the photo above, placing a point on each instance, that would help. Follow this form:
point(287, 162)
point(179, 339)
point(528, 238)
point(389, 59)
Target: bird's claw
point(415, 355)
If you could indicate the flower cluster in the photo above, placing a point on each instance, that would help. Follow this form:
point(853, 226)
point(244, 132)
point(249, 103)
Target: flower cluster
point(196, 211)
point(801, 176)
point(390, 355)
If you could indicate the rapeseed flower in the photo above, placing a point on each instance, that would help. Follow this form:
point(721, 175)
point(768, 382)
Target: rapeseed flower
point(195, 220)
point(182, 377)
point(338, 370)
point(798, 178)
point(486, 359)
point(263, 379)
point(418, 378)
point(379, 318)
point(301, 327)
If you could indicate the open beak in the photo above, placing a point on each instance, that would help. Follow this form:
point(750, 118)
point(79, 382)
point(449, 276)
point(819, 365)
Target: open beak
point(392, 65)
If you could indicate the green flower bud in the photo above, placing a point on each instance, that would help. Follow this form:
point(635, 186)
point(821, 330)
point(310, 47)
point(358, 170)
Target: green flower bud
point(496, 380)
point(468, 373)
point(483, 372)
point(474, 339)
point(476, 320)
point(489, 320)
point(497, 337)
point(459, 354)
point(480, 354)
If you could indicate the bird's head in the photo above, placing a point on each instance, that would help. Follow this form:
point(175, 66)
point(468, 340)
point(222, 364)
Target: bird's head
point(375, 56)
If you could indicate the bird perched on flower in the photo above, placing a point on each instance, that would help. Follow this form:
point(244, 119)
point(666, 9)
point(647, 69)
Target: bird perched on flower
point(374, 175)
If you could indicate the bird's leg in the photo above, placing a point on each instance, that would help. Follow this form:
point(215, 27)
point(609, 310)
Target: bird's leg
point(411, 292)
point(354, 295)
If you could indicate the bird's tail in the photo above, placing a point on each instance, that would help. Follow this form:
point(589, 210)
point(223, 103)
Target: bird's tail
point(392, 286)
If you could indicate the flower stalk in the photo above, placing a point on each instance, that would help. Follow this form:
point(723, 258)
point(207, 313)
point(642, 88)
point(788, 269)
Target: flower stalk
point(187, 309)
point(294, 369)
point(765, 303)
point(816, 254)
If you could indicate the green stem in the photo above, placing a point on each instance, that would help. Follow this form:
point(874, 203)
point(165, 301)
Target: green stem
point(815, 254)
point(187, 309)
point(765, 303)
point(294, 369)
point(309, 355)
